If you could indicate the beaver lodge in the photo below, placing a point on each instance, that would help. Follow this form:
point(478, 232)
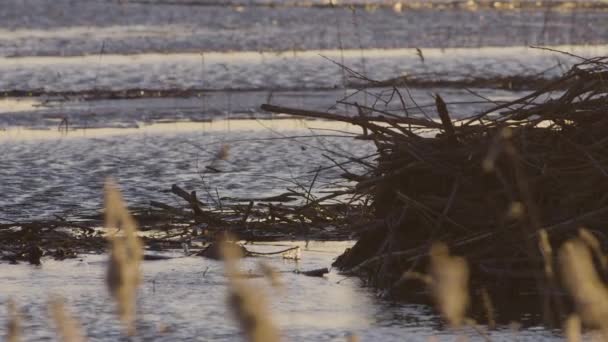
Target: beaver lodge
point(505, 189)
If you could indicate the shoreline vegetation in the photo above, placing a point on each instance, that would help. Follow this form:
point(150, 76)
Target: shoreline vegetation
point(504, 206)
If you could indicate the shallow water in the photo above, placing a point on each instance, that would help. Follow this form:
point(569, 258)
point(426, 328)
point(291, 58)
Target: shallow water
point(66, 171)
point(250, 70)
point(187, 298)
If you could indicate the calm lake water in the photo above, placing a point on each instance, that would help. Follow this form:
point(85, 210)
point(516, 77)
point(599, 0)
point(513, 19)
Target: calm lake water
point(197, 72)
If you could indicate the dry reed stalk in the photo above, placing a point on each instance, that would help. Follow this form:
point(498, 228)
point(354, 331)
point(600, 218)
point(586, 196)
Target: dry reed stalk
point(450, 284)
point(223, 152)
point(584, 285)
point(248, 305)
point(271, 274)
point(352, 338)
point(67, 327)
point(572, 329)
point(595, 245)
point(123, 275)
point(488, 308)
point(547, 252)
point(13, 329)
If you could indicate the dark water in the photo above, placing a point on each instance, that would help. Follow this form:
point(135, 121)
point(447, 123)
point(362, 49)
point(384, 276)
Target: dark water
point(228, 59)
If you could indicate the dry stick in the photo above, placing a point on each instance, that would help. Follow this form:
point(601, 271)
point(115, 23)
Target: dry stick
point(86, 229)
point(309, 191)
point(185, 195)
point(336, 164)
point(351, 71)
point(442, 109)
point(403, 105)
point(247, 213)
point(362, 114)
point(543, 90)
point(486, 99)
point(324, 142)
point(344, 98)
point(310, 145)
point(560, 51)
point(409, 94)
point(424, 123)
point(273, 253)
point(377, 98)
point(594, 162)
point(450, 202)
point(168, 208)
point(394, 120)
point(217, 194)
point(324, 198)
point(407, 199)
point(415, 253)
point(367, 122)
point(354, 120)
point(284, 137)
point(575, 221)
point(357, 121)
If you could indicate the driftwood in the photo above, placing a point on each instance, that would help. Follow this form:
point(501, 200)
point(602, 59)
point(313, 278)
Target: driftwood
point(188, 197)
point(320, 272)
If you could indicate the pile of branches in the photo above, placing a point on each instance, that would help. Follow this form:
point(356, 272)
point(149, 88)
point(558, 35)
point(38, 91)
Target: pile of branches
point(485, 185)
point(261, 219)
point(195, 223)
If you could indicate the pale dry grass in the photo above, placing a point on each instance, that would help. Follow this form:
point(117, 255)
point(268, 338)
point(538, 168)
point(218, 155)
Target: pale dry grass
point(488, 308)
point(126, 252)
point(352, 338)
point(547, 252)
point(272, 275)
point(223, 152)
point(13, 329)
point(449, 284)
point(247, 302)
point(68, 329)
point(595, 245)
point(581, 280)
point(572, 329)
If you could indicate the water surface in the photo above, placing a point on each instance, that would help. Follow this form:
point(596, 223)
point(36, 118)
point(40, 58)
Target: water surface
point(186, 297)
point(218, 61)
